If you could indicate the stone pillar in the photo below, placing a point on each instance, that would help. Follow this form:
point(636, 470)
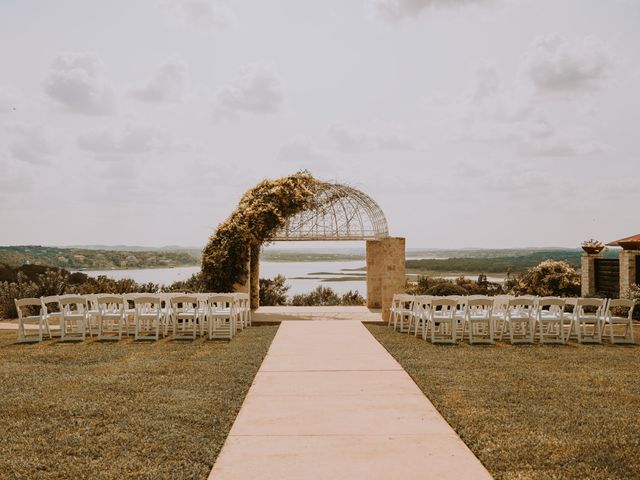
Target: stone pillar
point(375, 271)
point(588, 272)
point(254, 277)
point(627, 269)
point(385, 272)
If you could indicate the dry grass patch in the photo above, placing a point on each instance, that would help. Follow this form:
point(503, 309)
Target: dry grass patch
point(101, 410)
point(531, 411)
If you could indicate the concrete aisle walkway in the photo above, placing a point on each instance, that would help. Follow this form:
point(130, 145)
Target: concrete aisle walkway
point(329, 402)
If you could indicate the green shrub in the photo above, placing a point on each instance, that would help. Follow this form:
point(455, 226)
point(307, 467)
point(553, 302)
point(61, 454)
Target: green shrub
point(320, 296)
point(549, 278)
point(426, 285)
point(273, 291)
point(444, 289)
point(9, 291)
point(352, 298)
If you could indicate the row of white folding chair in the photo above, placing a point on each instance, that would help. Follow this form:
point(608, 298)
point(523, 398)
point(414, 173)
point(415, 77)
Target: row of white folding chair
point(111, 316)
point(518, 317)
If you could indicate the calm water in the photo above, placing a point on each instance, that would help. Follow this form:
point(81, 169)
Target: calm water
point(297, 274)
point(301, 276)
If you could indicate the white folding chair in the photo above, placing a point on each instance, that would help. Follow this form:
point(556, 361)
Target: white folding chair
point(519, 320)
point(624, 323)
point(149, 317)
point(74, 321)
point(31, 311)
point(401, 311)
point(420, 316)
point(112, 322)
point(221, 316)
point(499, 312)
point(52, 313)
point(461, 308)
point(551, 321)
point(588, 319)
point(443, 320)
point(185, 316)
point(478, 322)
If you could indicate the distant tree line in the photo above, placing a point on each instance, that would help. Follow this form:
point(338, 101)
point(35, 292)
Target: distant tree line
point(88, 259)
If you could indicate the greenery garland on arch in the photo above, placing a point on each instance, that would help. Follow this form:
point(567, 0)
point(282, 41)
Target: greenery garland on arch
point(262, 211)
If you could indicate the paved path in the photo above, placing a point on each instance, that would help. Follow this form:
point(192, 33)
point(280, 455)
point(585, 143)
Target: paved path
point(329, 402)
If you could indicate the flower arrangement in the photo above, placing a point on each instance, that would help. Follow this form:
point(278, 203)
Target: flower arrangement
point(262, 211)
point(592, 246)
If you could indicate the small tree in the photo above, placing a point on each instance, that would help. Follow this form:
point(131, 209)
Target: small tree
point(549, 278)
point(320, 296)
point(273, 291)
point(352, 298)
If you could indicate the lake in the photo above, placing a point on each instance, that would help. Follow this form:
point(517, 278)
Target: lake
point(301, 276)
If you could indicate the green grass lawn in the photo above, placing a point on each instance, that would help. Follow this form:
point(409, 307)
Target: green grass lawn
point(122, 410)
point(531, 411)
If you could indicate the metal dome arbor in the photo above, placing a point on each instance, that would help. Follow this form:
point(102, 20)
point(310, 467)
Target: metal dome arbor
point(340, 212)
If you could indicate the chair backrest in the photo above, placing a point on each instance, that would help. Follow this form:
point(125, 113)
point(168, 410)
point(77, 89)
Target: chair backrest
point(184, 301)
point(147, 303)
point(618, 305)
point(92, 301)
point(587, 306)
point(112, 303)
point(551, 302)
point(422, 301)
point(444, 302)
point(29, 304)
point(519, 302)
point(399, 299)
point(622, 302)
point(219, 301)
point(72, 303)
point(480, 302)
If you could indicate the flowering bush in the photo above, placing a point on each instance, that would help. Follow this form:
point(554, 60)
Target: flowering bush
point(262, 211)
point(549, 278)
point(592, 243)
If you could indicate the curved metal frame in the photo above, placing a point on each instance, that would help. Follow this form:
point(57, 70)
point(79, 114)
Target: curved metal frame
point(340, 212)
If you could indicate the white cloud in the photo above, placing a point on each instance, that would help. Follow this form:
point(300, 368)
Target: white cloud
point(258, 89)
point(394, 10)
point(77, 83)
point(356, 140)
point(299, 148)
point(490, 112)
point(31, 143)
point(134, 140)
point(559, 146)
point(167, 84)
point(555, 64)
point(8, 100)
point(201, 14)
point(13, 180)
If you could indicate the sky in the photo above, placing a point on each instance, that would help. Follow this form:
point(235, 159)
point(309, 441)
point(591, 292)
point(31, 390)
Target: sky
point(472, 123)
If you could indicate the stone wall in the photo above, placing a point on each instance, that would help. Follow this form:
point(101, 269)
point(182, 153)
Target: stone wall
point(385, 272)
point(627, 269)
point(588, 272)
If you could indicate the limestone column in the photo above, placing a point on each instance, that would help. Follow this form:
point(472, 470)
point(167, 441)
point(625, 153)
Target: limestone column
point(628, 264)
point(588, 272)
point(394, 277)
point(254, 276)
point(375, 271)
point(385, 272)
